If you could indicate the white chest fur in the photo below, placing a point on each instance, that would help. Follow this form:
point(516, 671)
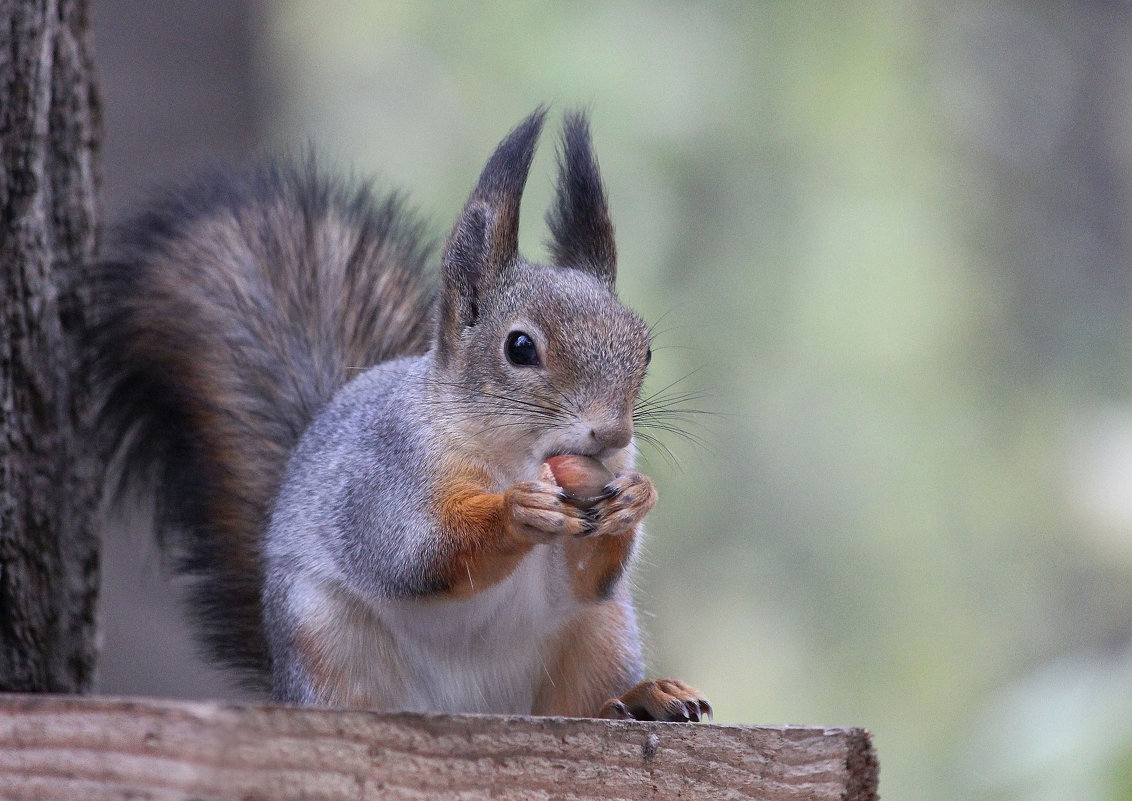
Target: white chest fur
point(484, 653)
point(481, 654)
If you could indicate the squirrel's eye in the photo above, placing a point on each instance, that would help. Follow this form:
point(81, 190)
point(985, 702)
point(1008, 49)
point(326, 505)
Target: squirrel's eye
point(648, 357)
point(521, 350)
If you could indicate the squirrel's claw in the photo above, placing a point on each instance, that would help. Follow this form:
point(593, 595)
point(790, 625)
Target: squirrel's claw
point(624, 503)
point(615, 709)
point(537, 511)
point(659, 699)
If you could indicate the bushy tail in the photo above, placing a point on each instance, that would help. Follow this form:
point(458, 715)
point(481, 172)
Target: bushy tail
point(230, 313)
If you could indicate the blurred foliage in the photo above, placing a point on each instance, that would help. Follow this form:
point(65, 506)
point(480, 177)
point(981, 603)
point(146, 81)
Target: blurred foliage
point(886, 247)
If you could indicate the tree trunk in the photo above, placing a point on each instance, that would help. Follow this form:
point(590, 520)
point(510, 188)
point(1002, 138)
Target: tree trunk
point(48, 547)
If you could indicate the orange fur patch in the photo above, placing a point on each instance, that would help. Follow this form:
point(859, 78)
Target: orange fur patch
point(480, 548)
point(597, 563)
point(590, 662)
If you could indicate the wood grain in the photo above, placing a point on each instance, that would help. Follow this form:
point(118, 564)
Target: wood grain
point(109, 749)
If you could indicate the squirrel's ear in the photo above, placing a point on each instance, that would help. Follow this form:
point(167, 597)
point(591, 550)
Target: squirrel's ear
point(580, 229)
point(485, 239)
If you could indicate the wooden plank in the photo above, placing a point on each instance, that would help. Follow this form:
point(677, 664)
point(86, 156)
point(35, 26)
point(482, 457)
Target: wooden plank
point(111, 749)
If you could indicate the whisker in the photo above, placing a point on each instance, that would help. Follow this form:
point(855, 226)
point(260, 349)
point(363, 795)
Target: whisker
point(653, 333)
point(664, 451)
point(670, 402)
point(542, 404)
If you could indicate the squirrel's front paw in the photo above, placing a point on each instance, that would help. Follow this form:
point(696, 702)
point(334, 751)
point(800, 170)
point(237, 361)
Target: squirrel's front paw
point(659, 699)
point(627, 499)
point(539, 512)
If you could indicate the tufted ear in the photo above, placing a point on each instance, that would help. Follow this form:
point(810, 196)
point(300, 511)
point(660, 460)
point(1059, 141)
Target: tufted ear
point(485, 239)
point(580, 229)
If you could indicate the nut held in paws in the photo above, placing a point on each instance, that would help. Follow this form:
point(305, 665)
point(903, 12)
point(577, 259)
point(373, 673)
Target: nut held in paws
point(583, 477)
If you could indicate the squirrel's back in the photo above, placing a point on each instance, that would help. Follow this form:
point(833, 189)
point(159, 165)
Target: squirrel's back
point(230, 313)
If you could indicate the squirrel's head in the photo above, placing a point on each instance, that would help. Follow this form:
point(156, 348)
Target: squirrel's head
point(542, 359)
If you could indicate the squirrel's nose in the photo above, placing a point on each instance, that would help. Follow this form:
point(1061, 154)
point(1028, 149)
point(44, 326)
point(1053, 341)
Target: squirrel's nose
point(612, 434)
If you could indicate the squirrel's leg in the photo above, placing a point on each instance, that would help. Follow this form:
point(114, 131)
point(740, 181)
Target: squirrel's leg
point(595, 656)
point(329, 648)
point(488, 534)
point(599, 655)
point(599, 559)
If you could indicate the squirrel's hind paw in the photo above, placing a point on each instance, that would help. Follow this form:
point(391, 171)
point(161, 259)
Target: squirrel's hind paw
point(659, 699)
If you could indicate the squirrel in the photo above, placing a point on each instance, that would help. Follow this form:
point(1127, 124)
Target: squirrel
point(352, 466)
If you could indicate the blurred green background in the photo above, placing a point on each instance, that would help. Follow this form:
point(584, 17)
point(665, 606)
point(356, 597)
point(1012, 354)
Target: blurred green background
point(887, 247)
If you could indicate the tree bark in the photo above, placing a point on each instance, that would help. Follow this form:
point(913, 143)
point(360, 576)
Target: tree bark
point(48, 546)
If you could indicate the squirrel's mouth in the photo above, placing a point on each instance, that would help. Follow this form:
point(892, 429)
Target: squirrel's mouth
point(561, 452)
point(601, 454)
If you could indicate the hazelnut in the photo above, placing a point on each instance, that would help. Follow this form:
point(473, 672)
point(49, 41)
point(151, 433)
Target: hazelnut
point(582, 477)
